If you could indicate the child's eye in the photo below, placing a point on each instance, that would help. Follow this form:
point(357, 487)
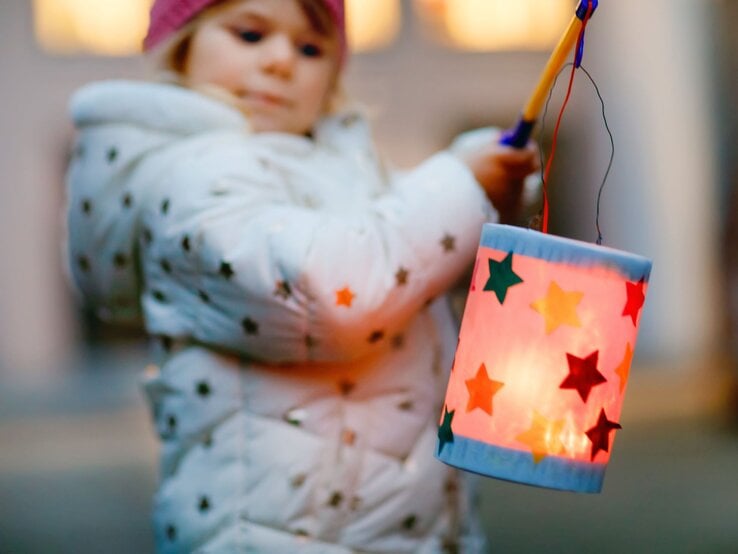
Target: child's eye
point(311, 50)
point(250, 36)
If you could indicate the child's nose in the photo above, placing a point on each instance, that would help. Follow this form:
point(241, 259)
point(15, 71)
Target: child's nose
point(278, 55)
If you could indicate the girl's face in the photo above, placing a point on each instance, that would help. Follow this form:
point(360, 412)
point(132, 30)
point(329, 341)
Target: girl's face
point(266, 54)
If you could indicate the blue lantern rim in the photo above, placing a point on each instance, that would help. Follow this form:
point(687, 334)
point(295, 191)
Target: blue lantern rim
point(552, 248)
point(518, 466)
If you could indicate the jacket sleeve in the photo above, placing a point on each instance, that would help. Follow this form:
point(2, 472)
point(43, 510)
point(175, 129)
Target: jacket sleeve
point(104, 194)
point(283, 282)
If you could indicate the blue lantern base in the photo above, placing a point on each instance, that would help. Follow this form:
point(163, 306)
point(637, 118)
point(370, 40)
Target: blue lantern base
point(514, 465)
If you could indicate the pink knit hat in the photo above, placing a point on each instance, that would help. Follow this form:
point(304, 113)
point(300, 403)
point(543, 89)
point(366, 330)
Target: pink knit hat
point(168, 16)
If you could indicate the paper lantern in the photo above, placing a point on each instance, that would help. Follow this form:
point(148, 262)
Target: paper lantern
point(542, 363)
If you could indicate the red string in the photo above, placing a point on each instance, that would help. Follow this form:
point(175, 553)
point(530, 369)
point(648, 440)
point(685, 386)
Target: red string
point(554, 140)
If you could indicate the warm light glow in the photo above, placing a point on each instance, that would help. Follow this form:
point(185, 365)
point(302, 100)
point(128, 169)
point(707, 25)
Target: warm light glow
point(372, 25)
point(486, 25)
point(110, 28)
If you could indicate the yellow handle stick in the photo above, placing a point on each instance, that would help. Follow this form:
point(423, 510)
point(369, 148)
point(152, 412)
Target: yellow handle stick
point(519, 135)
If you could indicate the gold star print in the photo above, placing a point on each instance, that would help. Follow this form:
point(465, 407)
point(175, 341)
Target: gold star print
point(481, 391)
point(344, 297)
point(544, 437)
point(448, 242)
point(623, 370)
point(401, 276)
point(558, 307)
point(282, 289)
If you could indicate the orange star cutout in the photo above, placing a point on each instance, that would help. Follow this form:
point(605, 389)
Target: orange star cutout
point(481, 391)
point(544, 437)
point(344, 297)
point(558, 307)
point(623, 370)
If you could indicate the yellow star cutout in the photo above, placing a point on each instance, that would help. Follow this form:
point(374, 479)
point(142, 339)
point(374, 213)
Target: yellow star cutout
point(623, 370)
point(481, 390)
point(544, 437)
point(344, 297)
point(558, 307)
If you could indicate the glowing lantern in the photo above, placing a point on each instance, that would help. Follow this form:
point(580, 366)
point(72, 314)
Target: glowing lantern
point(544, 352)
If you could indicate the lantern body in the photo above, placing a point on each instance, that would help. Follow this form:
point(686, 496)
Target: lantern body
point(545, 346)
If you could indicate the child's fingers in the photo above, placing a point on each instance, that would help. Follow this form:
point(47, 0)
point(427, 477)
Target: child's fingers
point(519, 163)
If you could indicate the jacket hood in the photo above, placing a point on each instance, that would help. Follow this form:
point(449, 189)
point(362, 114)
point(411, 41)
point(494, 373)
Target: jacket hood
point(176, 110)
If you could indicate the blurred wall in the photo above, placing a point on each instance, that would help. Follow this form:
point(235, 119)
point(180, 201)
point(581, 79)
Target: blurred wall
point(650, 59)
point(654, 62)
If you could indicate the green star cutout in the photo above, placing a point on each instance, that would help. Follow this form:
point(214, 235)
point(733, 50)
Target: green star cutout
point(501, 277)
point(445, 434)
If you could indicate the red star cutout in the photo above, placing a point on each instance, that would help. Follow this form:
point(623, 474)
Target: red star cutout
point(344, 297)
point(600, 434)
point(481, 390)
point(583, 374)
point(635, 301)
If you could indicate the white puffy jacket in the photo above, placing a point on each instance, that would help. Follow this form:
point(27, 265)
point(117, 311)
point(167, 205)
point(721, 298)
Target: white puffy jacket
point(291, 284)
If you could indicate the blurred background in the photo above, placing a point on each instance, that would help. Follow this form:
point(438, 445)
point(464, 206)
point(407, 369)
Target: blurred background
point(77, 454)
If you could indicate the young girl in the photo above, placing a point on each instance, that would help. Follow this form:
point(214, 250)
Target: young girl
point(289, 280)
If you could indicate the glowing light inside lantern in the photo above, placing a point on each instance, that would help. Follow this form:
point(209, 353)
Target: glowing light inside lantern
point(554, 323)
point(487, 25)
point(372, 25)
point(110, 28)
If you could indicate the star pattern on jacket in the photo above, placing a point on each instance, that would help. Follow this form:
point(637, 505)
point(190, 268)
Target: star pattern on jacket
point(84, 263)
point(282, 289)
point(298, 480)
point(448, 243)
point(346, 386)
point(203, 504)
point(344, 297)
point(120, 260)
point(226, 270)
point(401, 276)
point(171, 532)
point(203, 389)
point(583, 374)
point(112, 154)
point(408, 523)
point(600, 434)
point(335, 499)
point(250, 326)
point(558, 307)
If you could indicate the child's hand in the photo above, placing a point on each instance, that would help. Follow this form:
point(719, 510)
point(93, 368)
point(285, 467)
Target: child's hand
point(501, 171)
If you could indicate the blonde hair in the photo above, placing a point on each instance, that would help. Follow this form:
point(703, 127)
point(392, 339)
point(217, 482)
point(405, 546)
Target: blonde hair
point(171, 57)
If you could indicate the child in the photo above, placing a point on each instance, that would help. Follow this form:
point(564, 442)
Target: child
point(289, 281)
